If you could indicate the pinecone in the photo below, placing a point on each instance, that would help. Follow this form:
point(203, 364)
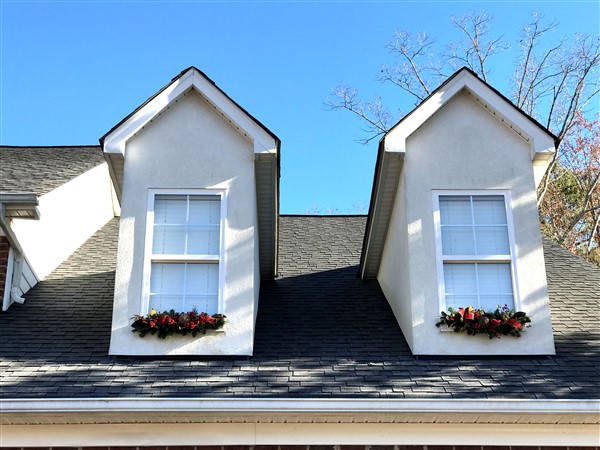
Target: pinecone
point(484, 321)
point(184, 318)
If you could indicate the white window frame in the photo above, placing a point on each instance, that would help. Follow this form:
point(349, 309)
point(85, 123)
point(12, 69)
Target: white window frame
point(441, 259)
point(149, 257)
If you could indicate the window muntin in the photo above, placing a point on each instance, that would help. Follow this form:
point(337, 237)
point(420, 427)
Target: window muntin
point(184, 244)
point(475, 264)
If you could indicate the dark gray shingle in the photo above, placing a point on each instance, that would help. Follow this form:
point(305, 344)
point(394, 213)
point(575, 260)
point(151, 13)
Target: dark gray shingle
point(321, 332)
point(42, 169)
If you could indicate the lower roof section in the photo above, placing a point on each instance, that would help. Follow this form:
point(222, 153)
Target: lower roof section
point(321, 333)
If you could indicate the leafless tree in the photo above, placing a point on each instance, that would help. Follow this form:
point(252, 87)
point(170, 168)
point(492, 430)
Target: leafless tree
point(554, 82)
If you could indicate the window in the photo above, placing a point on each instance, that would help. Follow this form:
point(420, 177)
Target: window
point(183, 267)
point(474, 235)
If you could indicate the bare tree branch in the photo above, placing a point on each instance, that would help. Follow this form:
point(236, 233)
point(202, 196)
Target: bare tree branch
point(409, 75)
point(475, 26)
point(376, 117)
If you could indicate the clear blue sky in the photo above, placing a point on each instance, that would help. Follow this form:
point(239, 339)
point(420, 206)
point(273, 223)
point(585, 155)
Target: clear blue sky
point(70, 70)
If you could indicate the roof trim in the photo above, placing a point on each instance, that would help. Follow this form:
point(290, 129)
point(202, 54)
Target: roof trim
point(543, 141)
point(114, 140)
point(535, 407)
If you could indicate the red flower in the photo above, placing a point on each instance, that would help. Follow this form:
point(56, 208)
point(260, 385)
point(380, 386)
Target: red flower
point(162, 320)
point(469, 315)
point(515, 324)
point(461, 311)
point(494, 322)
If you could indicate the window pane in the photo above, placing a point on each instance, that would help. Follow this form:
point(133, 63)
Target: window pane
point(166, 302)
point(491, 302)
point(455, 210)
point(167, 278)
point(479, 285)
point(170, 209)
point(489, 209)
point(460, 279)
point(494, 278)
point(168, 240)
point(202, 279)
point(203, 240)
point(492, 240)
point(184, 286)
point(204, 210)
point(457, 241)
point(202, 303)
point(461, 301)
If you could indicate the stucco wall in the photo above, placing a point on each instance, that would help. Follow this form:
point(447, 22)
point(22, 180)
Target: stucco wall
point(394, 275)
point(69, 215)
point(463, 146)
point(189, 145)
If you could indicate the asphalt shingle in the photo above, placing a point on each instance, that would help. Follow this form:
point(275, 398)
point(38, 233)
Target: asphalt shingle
point(43, 169)
point(320, 332)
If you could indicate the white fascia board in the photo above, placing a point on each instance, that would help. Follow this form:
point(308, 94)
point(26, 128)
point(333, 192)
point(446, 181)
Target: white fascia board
point(116, 141)
point(299, 406)
point(541, 143)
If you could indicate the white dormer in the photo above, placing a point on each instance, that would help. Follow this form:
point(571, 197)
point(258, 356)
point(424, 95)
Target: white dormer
point(454, 221)
point(197, 178)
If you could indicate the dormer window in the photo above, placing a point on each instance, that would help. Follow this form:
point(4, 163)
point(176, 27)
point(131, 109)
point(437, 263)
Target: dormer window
point(477, 242)
point(474, 247)
point(197, 178)
point(184, 259)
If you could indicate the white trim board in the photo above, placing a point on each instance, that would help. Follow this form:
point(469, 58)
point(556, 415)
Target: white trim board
point(309, 405)
point(115, 141)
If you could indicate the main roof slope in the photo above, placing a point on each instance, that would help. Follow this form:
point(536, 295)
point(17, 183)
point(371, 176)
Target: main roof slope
point(321, 332)
point(43, 169)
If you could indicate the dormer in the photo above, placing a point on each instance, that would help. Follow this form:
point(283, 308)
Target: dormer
point(453, 219)
point(197, 178)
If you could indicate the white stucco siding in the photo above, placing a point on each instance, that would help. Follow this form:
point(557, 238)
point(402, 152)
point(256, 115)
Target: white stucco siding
point(189, 146)
point(464, 147)
point(69, 215)
point(256, 266)
point(394, 275)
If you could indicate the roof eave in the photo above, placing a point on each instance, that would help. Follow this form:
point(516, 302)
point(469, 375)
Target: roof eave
point(21, 205)
point(412, 410)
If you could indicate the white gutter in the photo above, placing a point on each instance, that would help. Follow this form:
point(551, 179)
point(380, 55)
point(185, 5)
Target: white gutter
point(266, 405)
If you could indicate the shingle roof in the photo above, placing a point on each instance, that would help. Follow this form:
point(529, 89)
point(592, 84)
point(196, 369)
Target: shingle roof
point(42, 169)
point(320, 332)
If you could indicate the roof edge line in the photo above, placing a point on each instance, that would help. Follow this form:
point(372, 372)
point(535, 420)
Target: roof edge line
point(308, 405)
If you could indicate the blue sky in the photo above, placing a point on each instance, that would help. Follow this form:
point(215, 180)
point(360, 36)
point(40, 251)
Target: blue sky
point(70, 70)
